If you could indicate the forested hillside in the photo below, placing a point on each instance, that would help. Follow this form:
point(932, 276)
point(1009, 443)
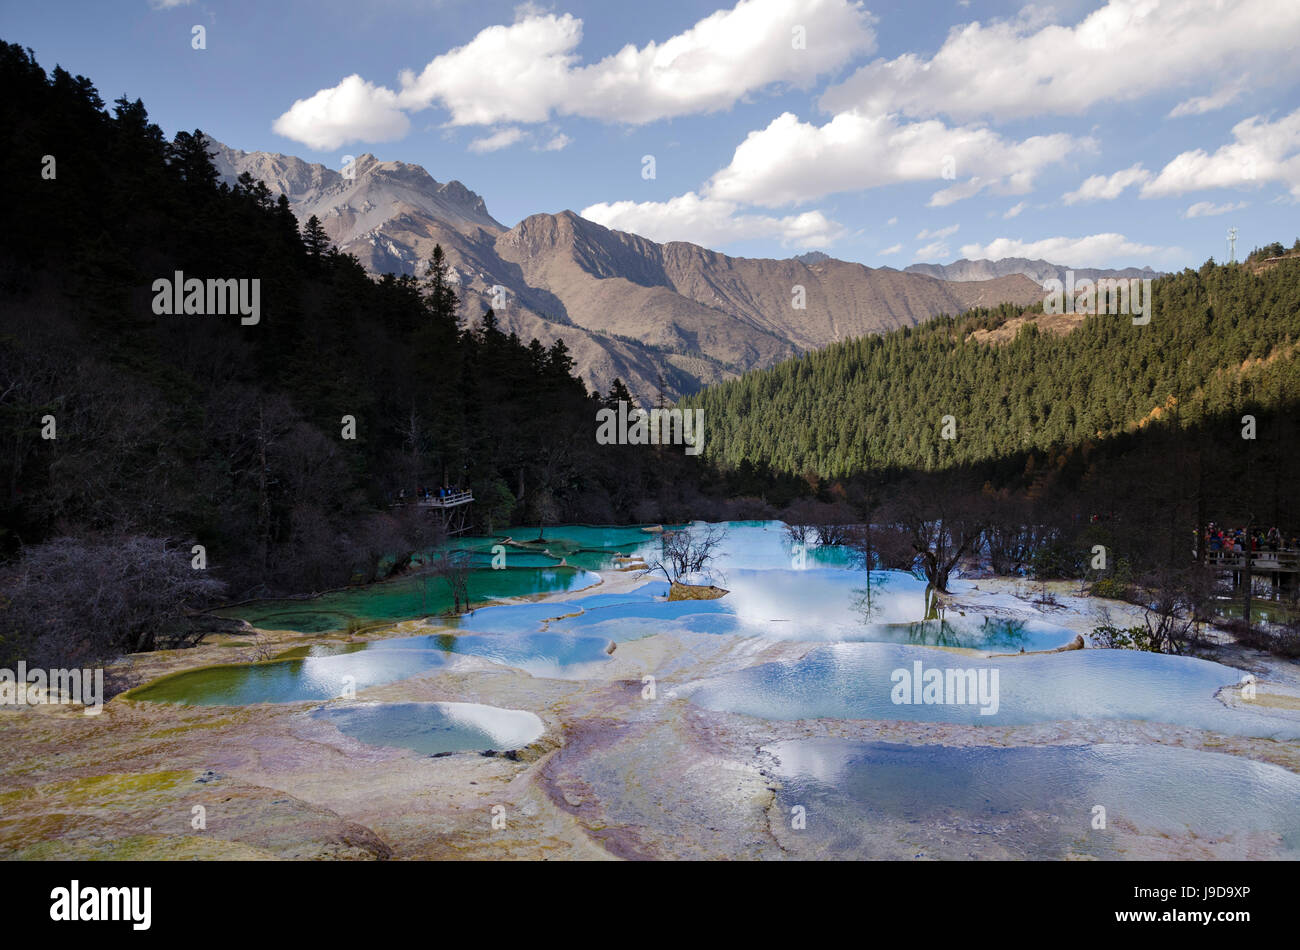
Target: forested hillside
point(1221, 341)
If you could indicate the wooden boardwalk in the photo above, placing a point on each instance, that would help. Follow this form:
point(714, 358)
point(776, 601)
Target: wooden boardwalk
point(452, 510)
point(1281, 567)
point(1286, 561)
point(446, 501)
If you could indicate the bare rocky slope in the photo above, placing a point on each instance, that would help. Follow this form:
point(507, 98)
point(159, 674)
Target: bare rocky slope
point(624, 305)
point(1037, 271)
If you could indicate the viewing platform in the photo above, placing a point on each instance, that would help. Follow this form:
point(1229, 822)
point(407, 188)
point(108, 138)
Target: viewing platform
point(1280, 566)
point(451, 509)
point(1286, 561)
point(446, 501)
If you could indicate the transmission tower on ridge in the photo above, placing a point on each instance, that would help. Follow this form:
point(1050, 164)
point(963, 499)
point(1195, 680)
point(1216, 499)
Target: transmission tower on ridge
point(1232, 245)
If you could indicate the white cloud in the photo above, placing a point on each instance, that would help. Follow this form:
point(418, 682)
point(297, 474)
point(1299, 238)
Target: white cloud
point(1199, 105)
point(1260, 152)
point(1014, 210)
point(513, 73)
point(502, 138)
point(892, 249)
point(556, 143)
point(891, 222)
point(352, 111)
point(1206, 209)
point(1121, 52)
point(530, 70)
point(169, 4)
point(1102, 188)
point(958, 192)
point(711, 222)
point(938, 233)
point(792, 161)
point(931, 251)
point(1095, 250)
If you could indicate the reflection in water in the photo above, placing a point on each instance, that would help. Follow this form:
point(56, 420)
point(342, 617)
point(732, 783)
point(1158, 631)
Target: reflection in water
point(867, 599)
point(331, 671)
point(880, 800)
point(435, 728)
point(854, 681)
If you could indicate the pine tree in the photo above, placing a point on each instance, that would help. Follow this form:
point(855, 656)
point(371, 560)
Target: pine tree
point(314, 238)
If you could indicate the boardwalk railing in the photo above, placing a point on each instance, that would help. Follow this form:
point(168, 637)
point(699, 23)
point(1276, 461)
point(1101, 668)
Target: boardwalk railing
point(1285, 561)
point(446, 501)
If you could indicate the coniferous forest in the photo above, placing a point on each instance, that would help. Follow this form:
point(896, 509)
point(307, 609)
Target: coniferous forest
point(1128, 435)
point(1221, 342)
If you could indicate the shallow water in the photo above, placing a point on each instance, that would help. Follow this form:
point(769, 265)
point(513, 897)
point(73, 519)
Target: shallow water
point(565, 559)
point(326, 671)
point(815, 604)
point(312, 677)
point(858, 681)
point(435, 728)
point(871, 624)
point(881, 800)
point(405, 599)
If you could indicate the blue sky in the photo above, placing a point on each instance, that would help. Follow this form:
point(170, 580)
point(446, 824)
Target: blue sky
point(1126, 132)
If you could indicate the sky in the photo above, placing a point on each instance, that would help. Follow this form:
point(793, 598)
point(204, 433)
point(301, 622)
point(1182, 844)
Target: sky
point(1088, 133)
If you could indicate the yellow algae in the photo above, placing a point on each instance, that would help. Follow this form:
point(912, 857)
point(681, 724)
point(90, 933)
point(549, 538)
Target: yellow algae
point(97, 789)
point(146, 848)
point(1276, 700)
point(680, 591)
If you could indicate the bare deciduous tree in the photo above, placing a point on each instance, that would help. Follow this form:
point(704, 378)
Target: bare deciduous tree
point(938, 519)
point(685, 552)
point(75, 601)
point(452, 567)
point(827, 522)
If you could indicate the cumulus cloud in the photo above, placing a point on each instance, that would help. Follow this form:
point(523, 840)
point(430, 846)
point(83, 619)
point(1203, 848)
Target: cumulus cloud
point(1207, 209)
point(1103, 188)
point(790, 161)
point(510, 73)
point(1260, 152)
point(353, 111)
point(931, 251)
point(1095, 250)
point(530, 70)
point(712, 222)
point(1124, 51)
point(892, 249)
point(1014, 210)
point(502, 138)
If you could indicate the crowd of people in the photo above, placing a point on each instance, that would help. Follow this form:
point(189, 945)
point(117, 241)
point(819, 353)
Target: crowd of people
point(1237, 539)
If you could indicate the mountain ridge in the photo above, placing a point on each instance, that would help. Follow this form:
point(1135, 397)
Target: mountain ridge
point(1039, 270)
point(625, 306)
